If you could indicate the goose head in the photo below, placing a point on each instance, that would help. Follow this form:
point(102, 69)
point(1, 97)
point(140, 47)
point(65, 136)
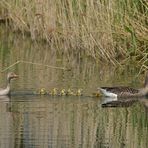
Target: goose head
point(11, 75)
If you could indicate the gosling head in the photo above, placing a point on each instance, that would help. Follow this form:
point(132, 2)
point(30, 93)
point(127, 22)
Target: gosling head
point(11, 75)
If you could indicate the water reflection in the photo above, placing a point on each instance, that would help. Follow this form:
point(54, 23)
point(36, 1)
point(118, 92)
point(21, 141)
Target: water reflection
point(6, 132)
point(118, 102)
point(54, 122)
point(45, 121)
point(123, 102)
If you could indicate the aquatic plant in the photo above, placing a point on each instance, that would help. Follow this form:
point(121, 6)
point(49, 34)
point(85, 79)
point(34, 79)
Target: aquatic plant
point(105, 30)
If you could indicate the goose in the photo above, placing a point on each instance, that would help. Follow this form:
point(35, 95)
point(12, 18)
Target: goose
point(6, 91)
point(123, 91)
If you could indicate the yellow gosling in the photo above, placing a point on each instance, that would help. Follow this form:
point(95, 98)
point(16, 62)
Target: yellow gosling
point(63, 92)
point(70, 92)
point(79, 92)
point(54, 92)
point(42, 91)
point(96, 94)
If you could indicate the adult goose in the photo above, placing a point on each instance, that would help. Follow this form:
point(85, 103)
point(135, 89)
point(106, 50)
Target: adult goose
point(6, 91)
point(122, 91)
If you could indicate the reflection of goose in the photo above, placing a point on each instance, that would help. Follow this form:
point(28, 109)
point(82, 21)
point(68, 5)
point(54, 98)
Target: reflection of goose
point(114, 102)
point(122, 91)
point(4, 98)
point(6, 91)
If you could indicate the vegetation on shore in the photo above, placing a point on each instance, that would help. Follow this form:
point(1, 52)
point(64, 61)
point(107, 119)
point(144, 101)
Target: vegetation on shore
point(105, 30)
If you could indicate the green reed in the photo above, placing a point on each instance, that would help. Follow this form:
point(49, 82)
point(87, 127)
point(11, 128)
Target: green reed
point(105, 30)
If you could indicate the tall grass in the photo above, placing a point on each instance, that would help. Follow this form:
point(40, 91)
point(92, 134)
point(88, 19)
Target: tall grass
point(107, 30)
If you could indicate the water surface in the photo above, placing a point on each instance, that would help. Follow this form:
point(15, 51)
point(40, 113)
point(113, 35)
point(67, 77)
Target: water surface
point(38, 121)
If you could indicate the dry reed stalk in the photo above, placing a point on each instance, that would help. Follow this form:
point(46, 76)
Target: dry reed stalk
point(143, 68)
point(103, 29)
point(38, 64)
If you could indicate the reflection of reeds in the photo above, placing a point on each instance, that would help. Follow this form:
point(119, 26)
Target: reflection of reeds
point(75, 123)
point(108, 30)
point(57, 122)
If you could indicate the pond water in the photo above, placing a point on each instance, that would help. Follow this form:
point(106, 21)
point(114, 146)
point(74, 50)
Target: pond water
point(41, 121)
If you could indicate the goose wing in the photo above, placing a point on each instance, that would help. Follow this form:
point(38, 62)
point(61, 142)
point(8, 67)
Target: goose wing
point(121, 90)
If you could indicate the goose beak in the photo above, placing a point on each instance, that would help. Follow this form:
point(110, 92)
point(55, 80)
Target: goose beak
point(15, 76)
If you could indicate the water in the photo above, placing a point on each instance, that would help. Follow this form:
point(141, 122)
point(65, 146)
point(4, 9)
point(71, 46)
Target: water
point(38, 121)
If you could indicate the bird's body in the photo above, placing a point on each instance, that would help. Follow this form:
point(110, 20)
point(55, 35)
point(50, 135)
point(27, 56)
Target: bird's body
point(6, 91)
point(121, 91)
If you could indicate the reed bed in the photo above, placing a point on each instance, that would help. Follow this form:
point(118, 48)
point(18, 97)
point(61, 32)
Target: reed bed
point(105, 30)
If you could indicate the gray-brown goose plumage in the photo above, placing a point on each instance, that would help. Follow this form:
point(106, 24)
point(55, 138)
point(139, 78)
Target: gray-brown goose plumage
point(122, 91)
